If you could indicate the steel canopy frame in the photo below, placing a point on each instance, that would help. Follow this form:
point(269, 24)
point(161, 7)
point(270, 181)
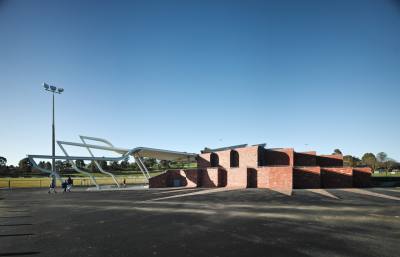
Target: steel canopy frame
point(125, 154)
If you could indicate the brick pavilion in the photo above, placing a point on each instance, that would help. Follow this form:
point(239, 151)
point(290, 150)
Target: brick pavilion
point(258, 167)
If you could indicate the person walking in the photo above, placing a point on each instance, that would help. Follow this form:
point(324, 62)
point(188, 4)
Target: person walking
point(52, 187)
point(70, 183)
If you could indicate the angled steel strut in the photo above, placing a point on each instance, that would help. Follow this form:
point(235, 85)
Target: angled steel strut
point(137, 153)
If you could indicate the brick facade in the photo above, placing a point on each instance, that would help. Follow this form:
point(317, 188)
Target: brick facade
point(210, 177)
point(307, 177)
point(275, 157)
point(362, 177)
point(236, 177)
point(203, 160)
point(275, 178)
point(333, 160)
point(336, 177)
point(305, 159)
point(257, 167)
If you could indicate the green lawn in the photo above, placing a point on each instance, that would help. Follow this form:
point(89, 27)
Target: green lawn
point(79, 180)
point(383, 174)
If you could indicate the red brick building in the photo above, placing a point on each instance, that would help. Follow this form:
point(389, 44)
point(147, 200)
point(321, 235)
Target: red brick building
point(258, 167)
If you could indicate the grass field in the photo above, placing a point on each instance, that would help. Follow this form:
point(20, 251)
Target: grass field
point(42, 182)
point(389, 174)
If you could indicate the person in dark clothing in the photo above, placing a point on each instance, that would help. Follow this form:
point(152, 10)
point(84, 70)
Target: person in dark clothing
point(70, 182)
point(64, 185)
point(52, 184)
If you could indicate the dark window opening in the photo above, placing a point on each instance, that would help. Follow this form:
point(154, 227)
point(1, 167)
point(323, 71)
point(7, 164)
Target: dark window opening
point(234, 158)
point(214, 160)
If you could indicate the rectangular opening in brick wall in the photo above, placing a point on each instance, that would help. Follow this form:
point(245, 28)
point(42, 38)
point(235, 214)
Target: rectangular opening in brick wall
point(252, 178)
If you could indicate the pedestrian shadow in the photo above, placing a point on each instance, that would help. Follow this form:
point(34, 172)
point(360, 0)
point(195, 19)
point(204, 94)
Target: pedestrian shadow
point(12, 235)
point(16, 225)
point(18, 253)
point(11, 217)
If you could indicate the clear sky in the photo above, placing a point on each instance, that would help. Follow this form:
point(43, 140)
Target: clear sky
point(183, 75)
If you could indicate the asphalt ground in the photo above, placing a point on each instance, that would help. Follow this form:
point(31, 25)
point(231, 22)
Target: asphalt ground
point(200, 222)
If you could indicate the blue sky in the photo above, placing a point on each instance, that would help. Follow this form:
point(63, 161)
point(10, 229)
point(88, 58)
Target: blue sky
point(183, 75)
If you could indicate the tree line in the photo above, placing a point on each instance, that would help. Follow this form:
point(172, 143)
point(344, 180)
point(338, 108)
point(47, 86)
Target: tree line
point(379, 162)
point(25, 167)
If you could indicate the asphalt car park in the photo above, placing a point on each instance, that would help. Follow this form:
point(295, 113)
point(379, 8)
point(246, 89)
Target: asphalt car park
point(200, 222)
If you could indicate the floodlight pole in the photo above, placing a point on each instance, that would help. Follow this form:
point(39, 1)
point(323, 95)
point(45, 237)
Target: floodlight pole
point(53, 144)
point(53, 90)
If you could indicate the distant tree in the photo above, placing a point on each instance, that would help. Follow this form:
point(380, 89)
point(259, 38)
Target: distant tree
point(59, 166)
point(351, 161)
point(114, 166)
point(92, 167)
point(103, 165)
point(164, 164)
point(124, 164)
point(369, 159)
point(3, 161)
point(381, 160)
point(391, 164)
point(381, 156)
point(134, 166)
point(348, 161)
point(42, 164)
point(337, 151)
point(150, 162)
point(48, 166)
point(80, 164)
point(25, 165)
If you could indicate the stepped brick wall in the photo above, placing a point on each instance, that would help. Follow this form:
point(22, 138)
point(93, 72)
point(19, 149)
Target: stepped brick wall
point(362, 177)
point(305, 159)
point(336, 177)
point(279, 178)
point(236, 177)
point(255, 166)
point(333, 160)
point(307, 177)
point(210, 177)
point(203, 160)
point(275, 157)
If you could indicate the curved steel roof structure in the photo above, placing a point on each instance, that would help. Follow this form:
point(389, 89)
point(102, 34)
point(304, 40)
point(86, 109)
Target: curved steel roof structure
point(137, 153)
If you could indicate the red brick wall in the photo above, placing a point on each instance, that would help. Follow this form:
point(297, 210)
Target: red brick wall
point(187, 178)
point(305, 159)
point(158, 181)
point(307, 177)
point(362, 177)
point(336, 177)
point(284, 156)
point(203, 160)
point(237, 177)
point(248, 156)
point(190, 176)
point(279, 178)
point(224, 158)
point(333, 160)
point(209, 177)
